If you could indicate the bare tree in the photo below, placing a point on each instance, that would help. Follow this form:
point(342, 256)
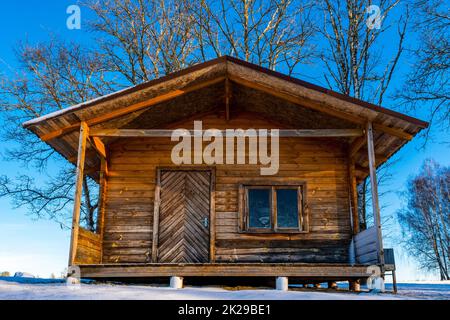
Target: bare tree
point(354, 62)
point(51, 77)
point(425, 219)
point(132, 41)
point(274, 33)
point(428, 84)
point(366, 218)
point(144, 39)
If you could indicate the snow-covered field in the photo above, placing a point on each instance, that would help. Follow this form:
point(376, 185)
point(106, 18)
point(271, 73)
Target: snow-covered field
point(10, 290)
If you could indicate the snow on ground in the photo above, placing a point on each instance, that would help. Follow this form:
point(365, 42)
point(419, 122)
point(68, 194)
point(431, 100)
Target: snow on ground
point(10, 290)
point(424, 290)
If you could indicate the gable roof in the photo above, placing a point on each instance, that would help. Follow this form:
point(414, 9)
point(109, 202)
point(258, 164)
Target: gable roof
point(224, 59)
point(205, 81)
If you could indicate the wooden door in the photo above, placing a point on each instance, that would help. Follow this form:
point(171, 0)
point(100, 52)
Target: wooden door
point(184, 216)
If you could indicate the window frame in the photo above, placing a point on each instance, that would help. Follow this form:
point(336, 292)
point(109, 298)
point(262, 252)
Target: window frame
point(302, 208)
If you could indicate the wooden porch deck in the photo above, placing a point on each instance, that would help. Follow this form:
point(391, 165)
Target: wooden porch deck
point(294, 270)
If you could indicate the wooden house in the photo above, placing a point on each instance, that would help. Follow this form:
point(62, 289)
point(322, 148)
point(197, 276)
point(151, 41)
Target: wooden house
point(160, 219)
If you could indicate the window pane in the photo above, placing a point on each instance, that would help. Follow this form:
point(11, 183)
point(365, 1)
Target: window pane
point(287, 208)
point(259, 208)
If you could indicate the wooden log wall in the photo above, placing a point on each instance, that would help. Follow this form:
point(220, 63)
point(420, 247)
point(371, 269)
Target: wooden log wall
point(89, 247)
point(322, 163)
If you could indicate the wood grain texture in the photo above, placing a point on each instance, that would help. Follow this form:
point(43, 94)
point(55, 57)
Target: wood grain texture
point(320, 163)
point(374, 191)
point(366, 246)
point(252, 88)
point(300, 270)
point(89, 248)
point(185, 206)
point(129, 109)
point(84, 134)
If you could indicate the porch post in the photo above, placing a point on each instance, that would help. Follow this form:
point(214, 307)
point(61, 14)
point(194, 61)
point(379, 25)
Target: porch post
point(374, 188)
point(353, 195)
point(84, 132)
point(102, 200)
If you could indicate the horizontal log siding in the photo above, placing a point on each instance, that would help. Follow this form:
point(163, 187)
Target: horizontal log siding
point(89, 247)
point(322, 163)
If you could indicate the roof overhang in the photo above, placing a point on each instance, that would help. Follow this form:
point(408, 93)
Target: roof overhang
point(204, 81)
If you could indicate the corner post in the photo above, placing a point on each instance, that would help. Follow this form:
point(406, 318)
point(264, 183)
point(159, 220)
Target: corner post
point(84, 133)
point(353, 195)
point(102, 200)
point(374, 189)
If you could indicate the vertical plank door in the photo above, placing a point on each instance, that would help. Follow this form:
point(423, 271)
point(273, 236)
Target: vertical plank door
point(184, 217)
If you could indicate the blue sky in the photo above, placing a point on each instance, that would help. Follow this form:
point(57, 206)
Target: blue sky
point(41, 247)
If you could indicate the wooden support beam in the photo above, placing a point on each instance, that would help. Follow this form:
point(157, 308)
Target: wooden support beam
point(227, 99)
point(98, 146)
point(392, 131)
point(318, 133)
point(299, 100)
point(84, 133)
point(102, 200)
point(135, 107)
point(356, 146)
point(353, 196)
point(88, 171)
point(394, 281)
point(360, 172)
point(104, 166)
point(308, 271)
point(380, 158)
point(322, 107)
point(176, 93)
point(374, 189)
point(313, 133)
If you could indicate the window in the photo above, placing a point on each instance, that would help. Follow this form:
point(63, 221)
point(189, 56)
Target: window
point(273, 208)
point(259, 206)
